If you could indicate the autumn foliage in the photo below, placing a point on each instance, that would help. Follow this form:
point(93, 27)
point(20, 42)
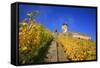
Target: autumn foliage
point(32, 37)
point(77, 49)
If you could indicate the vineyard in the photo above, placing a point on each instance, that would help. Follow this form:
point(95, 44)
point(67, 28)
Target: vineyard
point(34, 40)
point(77, 49)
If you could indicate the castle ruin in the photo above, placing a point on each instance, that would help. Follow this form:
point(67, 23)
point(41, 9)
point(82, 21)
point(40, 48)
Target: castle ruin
point(75, 35)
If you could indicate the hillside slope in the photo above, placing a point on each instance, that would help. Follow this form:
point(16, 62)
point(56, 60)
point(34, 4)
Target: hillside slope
point(77, 49)
point(33, 42)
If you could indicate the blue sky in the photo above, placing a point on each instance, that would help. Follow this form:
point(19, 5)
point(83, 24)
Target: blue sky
point(81, 20)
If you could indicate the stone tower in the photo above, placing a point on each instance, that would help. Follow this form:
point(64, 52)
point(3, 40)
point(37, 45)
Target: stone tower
point(64, 28)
